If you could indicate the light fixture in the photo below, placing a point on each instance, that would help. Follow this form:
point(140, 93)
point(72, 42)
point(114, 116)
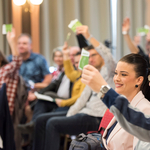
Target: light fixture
point(36, 2)
point(19, 2)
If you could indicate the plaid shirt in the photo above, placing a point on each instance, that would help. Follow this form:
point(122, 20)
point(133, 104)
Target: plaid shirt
point(9, 74)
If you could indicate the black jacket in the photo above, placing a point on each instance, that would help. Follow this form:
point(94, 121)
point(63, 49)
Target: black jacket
point(54, 85)
point(6, 125)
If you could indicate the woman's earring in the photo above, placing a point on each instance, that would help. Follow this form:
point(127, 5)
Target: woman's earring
point(136, 86)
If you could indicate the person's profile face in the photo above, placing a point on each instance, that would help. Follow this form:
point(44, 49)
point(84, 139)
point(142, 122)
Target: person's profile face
point(76, 61)
point(95, 59)
point(24, 45)
point(58, 58)
point(148, 47)
point(73, 51)
point(125, 78)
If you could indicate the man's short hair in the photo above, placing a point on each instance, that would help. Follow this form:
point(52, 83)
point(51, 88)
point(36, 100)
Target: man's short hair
point(89, 47)
point(78, 53)
point(27, 35)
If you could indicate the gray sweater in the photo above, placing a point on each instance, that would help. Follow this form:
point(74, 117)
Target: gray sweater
point(88, 102)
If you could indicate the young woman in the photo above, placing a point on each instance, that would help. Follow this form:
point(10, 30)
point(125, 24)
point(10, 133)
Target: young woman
point(131, 80)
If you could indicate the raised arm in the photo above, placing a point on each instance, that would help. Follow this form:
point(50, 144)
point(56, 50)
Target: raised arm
point(101, 49)
point(70, 72)
point(125, 31)
point(85, 32)
point(13, 66)
point(12, 43)
point(47, 77)
point(127, 116)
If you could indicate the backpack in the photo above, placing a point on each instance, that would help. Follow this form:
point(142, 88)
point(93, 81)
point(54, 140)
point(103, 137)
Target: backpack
point(92, 141)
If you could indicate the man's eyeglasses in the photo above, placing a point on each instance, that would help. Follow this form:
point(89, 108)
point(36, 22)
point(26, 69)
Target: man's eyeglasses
point(93, 55)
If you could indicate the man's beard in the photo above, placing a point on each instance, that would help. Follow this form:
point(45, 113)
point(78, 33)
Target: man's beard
point(24, 54)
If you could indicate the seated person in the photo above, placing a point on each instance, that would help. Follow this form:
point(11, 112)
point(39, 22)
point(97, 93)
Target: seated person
point(58, 60)
point(85, 115)
point(9, 71)
point(131, 80)
point(61, 104)
point(34, 66)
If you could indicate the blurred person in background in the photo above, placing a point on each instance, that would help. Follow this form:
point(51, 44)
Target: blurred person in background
point(34, 66)
point(9, 71)
point(58, 60)
point(134, 46)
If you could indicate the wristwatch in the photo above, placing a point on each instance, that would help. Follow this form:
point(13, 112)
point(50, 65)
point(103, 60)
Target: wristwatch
point(104, 89)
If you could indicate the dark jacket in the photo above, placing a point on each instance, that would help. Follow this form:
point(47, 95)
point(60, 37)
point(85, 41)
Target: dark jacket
point(130, 118)
point(20, 100)
point(54, 85)
point(6, 125)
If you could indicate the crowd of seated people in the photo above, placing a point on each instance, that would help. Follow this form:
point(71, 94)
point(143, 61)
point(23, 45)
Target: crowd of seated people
point(79, 98)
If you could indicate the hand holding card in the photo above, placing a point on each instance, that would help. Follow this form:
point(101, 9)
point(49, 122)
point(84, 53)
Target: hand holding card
point(68, 36)
point(142, 31)
point(84, 59)
point(73, 24)
point(66, 51)
point(6, 28)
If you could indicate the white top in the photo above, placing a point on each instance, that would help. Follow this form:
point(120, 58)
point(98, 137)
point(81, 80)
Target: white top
point(63, 90)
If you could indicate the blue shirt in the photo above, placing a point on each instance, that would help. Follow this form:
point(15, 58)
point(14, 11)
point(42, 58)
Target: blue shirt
point(34, 68)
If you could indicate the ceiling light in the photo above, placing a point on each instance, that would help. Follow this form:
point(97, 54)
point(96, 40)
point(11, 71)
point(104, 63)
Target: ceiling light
point(19, 2)
point(36, 2)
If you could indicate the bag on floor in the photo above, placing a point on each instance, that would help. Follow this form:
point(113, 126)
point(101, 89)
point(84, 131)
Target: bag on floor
point(92, 141)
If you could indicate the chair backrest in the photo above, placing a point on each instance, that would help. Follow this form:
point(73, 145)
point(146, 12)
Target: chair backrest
point(105, 121)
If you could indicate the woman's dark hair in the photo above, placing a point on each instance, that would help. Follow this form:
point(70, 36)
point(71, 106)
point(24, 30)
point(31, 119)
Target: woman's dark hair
point(3, 59)
point(141, 69)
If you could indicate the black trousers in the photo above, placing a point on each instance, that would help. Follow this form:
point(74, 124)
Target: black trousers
point(49, 126)
point(46, 106)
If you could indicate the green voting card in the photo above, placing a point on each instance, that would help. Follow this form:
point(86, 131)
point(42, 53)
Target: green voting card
point(84, 59)
point(73, 24)
point(68, 36)
point(6, 28)
point(142, 31)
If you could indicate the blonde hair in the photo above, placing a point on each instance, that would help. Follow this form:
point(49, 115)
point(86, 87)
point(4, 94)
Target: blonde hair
point(57, 49)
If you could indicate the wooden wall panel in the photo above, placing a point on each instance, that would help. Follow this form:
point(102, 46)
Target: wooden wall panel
point(35, 31)
point(18, 22)
point(17, 18)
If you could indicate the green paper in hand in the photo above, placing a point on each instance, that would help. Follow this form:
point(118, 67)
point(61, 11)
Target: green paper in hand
point(73, 24)
point(6, 28)
point(142, 31)
point(68, 36)
point(84, 60)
